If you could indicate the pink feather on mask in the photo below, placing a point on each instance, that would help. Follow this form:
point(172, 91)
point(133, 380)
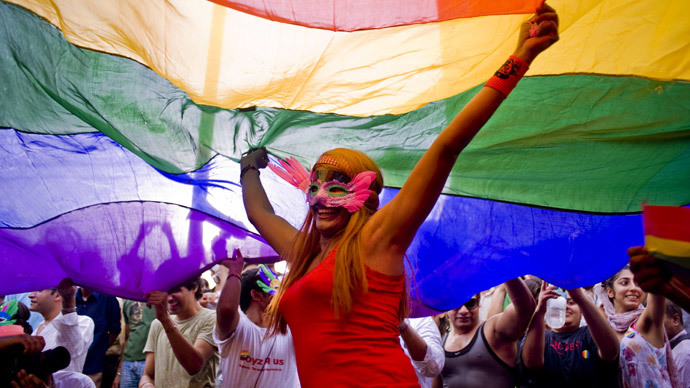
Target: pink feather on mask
point(293, 172)
point(360, 186)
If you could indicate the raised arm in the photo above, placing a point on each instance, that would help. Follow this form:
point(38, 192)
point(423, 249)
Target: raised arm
point(396, 223)
point(665, 279)
point(227, 315)
point(512, 323)
point(497, 301)
point(533, 349)
point(277, 232)
point(651, 322)
point(415, 344)
point(191, 356)
point(424, 345)
point(70, 335)
point(602, 333)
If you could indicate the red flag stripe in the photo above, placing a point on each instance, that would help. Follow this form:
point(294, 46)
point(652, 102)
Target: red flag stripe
point(354, 15)
point(667, 222)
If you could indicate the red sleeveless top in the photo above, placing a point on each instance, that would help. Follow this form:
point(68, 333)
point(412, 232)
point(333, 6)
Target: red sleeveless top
point(360, 350)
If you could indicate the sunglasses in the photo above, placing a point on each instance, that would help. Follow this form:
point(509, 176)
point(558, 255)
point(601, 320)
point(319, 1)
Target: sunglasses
point(471, 304)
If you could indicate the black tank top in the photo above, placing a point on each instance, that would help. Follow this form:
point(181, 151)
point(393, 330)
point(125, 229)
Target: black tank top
point(476, 366)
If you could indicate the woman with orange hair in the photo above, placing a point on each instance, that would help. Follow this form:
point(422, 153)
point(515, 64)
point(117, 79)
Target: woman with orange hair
point(345, 295)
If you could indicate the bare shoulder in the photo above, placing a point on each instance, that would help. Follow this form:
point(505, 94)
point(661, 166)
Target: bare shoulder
point(506, 350)
point(491, 334)
point(490, 326)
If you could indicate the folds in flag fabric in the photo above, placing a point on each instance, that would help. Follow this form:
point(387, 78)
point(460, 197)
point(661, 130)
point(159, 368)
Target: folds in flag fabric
point(360, 15)
point(122, 131)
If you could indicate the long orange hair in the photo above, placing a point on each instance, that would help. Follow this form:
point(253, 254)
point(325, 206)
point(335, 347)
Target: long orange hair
point(350, 266)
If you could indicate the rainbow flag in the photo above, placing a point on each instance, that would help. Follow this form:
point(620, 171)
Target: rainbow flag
point(123, 121)
point(667, 234)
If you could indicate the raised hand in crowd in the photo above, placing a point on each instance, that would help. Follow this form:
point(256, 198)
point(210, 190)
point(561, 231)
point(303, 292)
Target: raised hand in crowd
point(659, 277)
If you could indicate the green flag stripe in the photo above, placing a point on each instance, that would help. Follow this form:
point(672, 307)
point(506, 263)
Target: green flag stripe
point(580, 142)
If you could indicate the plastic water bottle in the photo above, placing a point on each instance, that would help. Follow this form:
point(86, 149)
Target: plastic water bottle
point(555, 312)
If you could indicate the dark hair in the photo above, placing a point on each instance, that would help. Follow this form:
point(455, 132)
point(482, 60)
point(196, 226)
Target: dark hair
point(22, 316)
point(608, 283)
point(204, 284)
point(249, 283)
point(443, 324)
point(191, 284)
point(673, 309)
point(534, 285)
point(477, 296)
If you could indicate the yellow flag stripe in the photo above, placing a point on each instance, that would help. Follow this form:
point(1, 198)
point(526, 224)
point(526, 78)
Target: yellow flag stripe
point(667, 247)
point(392, 70)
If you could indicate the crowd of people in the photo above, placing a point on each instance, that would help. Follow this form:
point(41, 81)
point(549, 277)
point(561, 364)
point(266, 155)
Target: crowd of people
point(339, 315)
point(614, 335)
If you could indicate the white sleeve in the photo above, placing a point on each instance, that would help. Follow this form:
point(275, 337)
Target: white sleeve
point(87, 327)
point(681, 356)
point(435, 358)
point(71, 334)
point(240, 332)
point(66, 379)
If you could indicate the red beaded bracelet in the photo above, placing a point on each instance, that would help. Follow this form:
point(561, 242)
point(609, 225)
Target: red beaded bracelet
point(234, 275)
point(505, 78)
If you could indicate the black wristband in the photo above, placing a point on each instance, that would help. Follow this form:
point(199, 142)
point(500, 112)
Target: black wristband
point(247, 168)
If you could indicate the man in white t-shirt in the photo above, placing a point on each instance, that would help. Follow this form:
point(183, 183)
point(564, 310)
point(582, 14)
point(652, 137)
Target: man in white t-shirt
point(247, 357)
point(62, 325)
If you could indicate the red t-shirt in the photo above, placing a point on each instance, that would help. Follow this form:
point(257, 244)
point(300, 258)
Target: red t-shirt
point(360, 350)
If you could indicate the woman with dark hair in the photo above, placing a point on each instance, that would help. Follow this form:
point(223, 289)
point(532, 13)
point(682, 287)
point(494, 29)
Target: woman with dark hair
point(645, 358)
point(345, 293)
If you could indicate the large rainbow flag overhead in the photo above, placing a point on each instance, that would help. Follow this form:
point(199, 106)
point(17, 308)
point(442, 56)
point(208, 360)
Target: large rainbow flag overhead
point(123, 121)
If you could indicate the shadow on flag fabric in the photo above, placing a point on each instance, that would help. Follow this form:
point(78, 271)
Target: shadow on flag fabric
point(121, 134)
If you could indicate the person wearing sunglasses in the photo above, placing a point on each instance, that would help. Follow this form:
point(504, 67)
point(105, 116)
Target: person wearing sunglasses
point(484, 354)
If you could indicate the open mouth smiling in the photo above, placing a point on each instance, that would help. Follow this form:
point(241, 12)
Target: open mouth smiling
point(325, 211)
point(632, 297)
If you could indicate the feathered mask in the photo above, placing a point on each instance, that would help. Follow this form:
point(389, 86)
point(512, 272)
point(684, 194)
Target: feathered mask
point(269, 282)
point(327, 187)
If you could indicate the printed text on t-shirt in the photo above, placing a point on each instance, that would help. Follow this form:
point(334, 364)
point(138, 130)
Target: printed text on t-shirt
point(562, 347)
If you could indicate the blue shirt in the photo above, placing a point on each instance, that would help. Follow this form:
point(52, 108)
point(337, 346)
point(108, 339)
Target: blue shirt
point(105, 312)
